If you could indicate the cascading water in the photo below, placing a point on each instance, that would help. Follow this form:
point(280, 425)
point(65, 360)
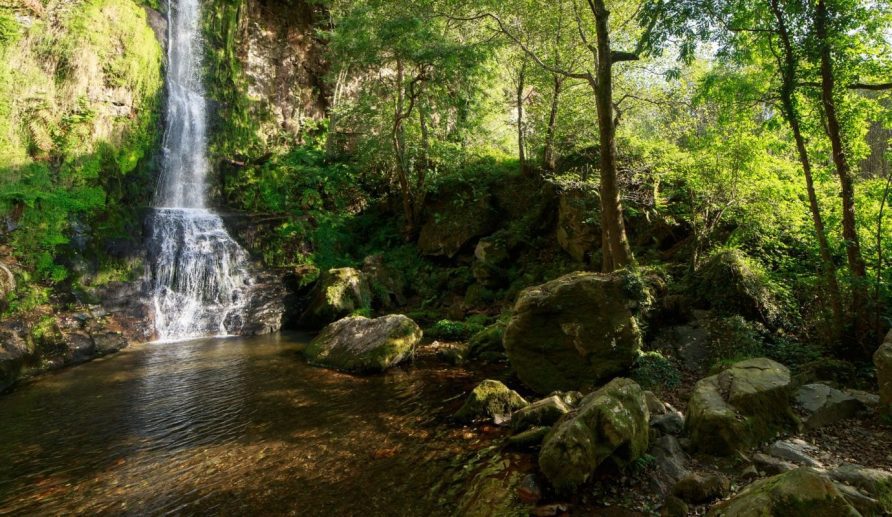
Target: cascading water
point(199, 276)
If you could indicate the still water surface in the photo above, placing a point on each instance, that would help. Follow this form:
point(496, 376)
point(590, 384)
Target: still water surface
point(235, 426)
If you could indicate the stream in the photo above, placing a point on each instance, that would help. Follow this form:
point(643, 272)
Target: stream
point(235, 426)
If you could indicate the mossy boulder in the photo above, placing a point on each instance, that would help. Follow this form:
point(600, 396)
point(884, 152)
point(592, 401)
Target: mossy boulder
point(338, 293)
point(740, 407)
point(544, 412)
point(731, 283)
point(492, 256)
point(490, 400)
point(882, 359)
point(487, 344)
point(573, 332)
point(455, 216)
point(359, 344)
point(802, 492)
point(610, 424)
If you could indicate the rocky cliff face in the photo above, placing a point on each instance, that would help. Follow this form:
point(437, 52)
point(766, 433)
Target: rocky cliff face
point(284, 61)
point(266, 71)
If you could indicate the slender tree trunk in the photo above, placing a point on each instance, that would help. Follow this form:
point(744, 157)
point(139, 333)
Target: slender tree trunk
point(521, 144)
point(620, 253)
point(549, 157)
point(788, 102)
point(857, 267)
point(399, 147)
point(424, 163)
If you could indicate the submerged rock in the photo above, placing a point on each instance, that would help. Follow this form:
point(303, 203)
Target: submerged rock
point(740, 407)
point(802, 492)
point(529, 438)
point(338, 293)
point(360, 344)
point(610, 423)
point(883, 361)
point(572, 332)
point(491, 399)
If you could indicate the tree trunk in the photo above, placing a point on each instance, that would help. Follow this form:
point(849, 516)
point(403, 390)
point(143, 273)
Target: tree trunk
point(788, 102)
point(398, 136)
point(843, 171)
point(617, 253)
point(549, 157)
point(520, 84)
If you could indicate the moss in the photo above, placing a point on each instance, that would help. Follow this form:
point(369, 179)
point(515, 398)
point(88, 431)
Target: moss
point(69, 145)
point(732, 283)
point(487, 343)
point(490, 399)
point(653, 370)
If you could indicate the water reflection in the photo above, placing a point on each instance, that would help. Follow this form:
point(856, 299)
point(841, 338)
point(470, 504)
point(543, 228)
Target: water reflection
point(232, 426)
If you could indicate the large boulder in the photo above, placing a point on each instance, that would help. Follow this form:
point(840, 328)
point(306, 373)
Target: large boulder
point(573, 332)
point(610, 424)
point(731, 283)
point(490, 400)
point(882, 359)
point(338, 293)
point(360, 344)
point(802, 492)
point(746, 404)
point(455, 216)
point(578, 231)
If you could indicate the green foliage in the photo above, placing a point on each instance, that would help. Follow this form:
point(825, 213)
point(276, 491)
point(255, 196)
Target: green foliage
point(456, 330)
point(653, 370)
point(67, 155)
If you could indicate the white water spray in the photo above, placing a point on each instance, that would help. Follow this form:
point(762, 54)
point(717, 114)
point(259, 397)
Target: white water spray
point(199, 276)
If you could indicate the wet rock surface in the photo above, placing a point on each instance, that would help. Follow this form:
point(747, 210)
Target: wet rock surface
point(491, 400)
point(359, 344)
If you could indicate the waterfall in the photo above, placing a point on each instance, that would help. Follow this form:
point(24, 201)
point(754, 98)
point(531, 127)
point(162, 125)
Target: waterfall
point(198, 275)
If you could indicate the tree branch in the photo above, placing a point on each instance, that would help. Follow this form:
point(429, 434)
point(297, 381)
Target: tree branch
point(504, 29)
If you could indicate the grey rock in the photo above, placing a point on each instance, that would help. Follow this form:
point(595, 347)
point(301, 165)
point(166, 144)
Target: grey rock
point(654, 404)
point(823, 405)
point(670, 423)
point(771, 465)
point(796, 451)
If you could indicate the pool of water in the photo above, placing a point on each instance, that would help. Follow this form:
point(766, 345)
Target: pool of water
point(235, 426)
